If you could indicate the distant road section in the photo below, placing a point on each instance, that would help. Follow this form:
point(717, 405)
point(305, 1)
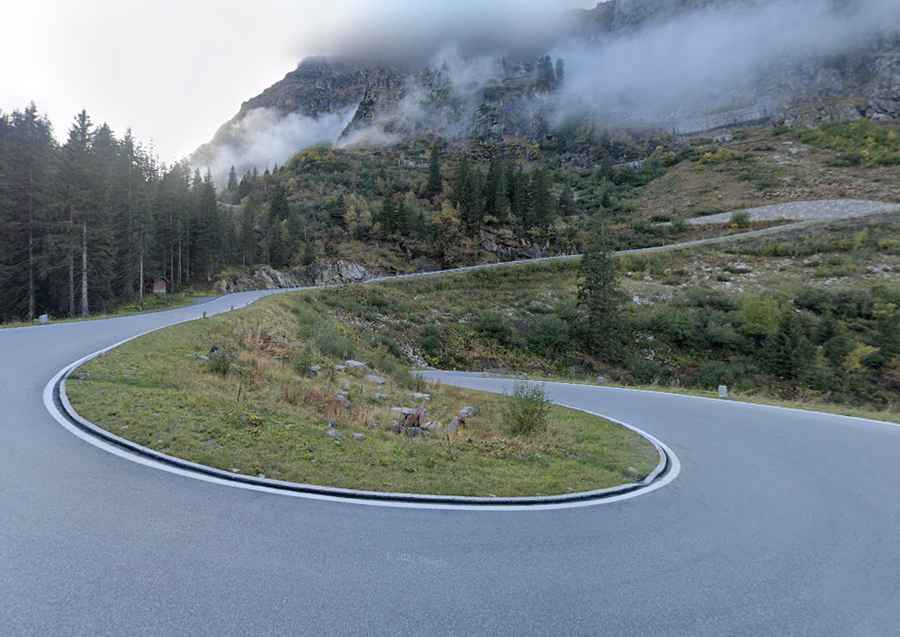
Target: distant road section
point(825, 210)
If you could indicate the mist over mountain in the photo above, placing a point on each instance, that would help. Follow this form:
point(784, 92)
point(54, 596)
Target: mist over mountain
point(523, 71)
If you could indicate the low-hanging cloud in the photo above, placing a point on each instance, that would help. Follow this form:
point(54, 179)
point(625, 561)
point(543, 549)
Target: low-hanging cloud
point(671, 72)
point(715, 58)
point(411, 32)
point(264, 137)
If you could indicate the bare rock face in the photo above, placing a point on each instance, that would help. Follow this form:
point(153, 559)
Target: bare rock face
point(262, 278)
point(334, 272)
point(385, 102)
point(265, 277)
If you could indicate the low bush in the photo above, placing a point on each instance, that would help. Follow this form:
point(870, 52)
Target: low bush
point(528, 411)
point(219, 361)
point(331, 342)
point(741, 219)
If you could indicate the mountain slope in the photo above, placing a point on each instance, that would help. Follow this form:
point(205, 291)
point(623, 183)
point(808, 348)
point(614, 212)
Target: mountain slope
point(681, 65)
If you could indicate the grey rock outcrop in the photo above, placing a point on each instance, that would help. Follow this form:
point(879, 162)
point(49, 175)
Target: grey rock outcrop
point(268, 278)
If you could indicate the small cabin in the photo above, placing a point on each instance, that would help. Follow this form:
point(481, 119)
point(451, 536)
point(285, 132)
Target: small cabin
point(160, 286)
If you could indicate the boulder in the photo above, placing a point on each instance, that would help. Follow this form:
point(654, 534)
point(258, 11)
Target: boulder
point(454, 425)
point(420, 396)
point(358, 436)
point(352, 364)
point(344, 400)
point(376, 379)
point(468, 412)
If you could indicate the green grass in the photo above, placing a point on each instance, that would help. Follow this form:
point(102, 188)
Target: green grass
point(691, 330)
point(860, 143)
point(264, 417)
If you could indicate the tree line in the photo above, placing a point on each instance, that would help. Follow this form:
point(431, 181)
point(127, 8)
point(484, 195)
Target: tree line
point(91, 222)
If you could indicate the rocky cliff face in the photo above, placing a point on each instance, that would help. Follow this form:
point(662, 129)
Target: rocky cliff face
point(384, 102)
point(267, 278)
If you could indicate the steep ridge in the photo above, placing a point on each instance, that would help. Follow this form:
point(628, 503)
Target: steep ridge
point(496, 96)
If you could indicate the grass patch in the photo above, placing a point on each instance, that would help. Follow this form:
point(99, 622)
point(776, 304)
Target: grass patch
point(860, 143)
point(267, 415)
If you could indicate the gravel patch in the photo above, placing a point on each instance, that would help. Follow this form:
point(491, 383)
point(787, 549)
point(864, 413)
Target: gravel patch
point(826, 210)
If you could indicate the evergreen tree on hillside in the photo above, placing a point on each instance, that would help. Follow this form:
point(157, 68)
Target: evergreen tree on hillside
point(791, 355)
point(76, 184)
point(388, 217)
point(542, 207)
point(501, 204)
point(566, 204)
point(435, 179)
point(29, 184)
point(232, 180)
point(517, 183)
point(278, 202)
point(467, 189)
point(494, 192)
point(599, 296)
point(247, 234)
point(546, 76)
point(245, 187)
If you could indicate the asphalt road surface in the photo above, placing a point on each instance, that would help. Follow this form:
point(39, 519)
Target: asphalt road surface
point(780, 523)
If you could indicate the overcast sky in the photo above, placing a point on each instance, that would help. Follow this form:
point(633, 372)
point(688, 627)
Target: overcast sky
point(174, 70)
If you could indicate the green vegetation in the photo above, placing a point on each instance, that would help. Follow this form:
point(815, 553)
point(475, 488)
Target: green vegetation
point(859, 143)
point(528, 412)
point(256, 390)
point(832, 343)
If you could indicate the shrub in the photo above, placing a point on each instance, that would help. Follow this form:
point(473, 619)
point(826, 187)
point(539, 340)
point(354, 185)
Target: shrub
point(219, 361)
point(305, 361)
point(493, 325)
point(722, 155)
point(741, 219)
point(528, 411)
point(430, 342)
point(549, 336)
point(714, 373)
point(332, 342)
point(648, 372)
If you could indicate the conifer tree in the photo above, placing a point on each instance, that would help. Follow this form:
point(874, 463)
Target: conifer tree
point(599, 296)
point(435, 179)
point(791, 355)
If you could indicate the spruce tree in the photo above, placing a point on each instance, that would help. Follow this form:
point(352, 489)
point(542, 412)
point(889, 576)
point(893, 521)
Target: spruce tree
point(791, 356)
point(435, 180)
point(543, 210)
point(560, 71)
point(566, 204)
point(76, 195)
point(278, 203)
point(600, 298)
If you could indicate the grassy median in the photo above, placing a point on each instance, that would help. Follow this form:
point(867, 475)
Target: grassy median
point(265, 391)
